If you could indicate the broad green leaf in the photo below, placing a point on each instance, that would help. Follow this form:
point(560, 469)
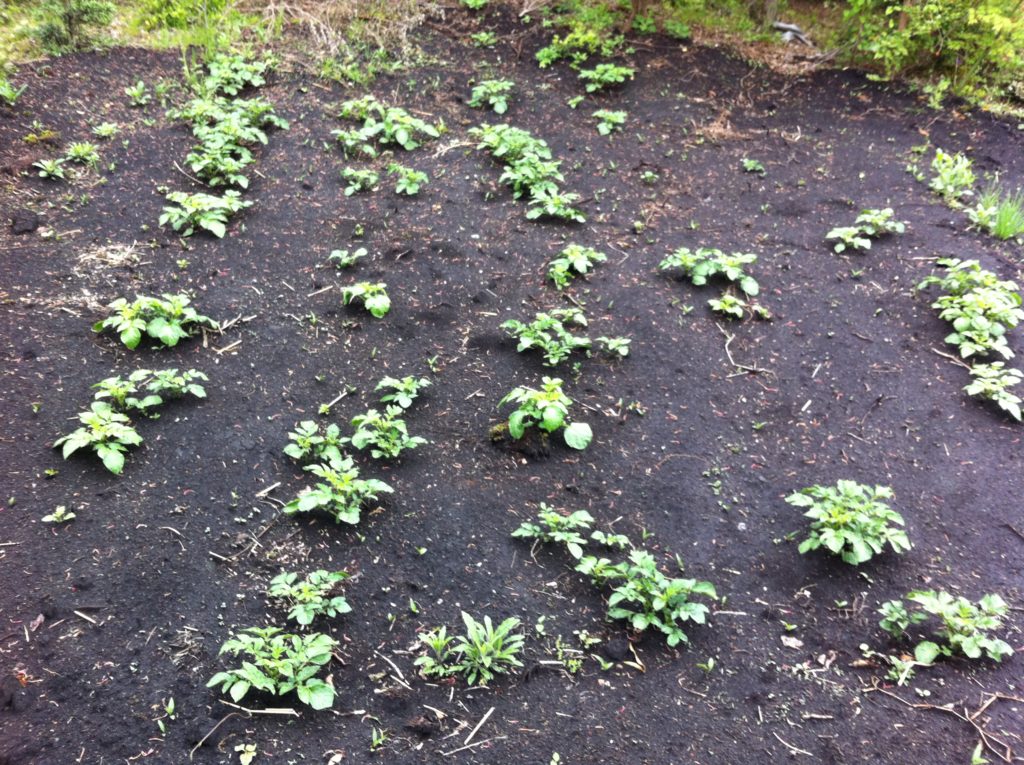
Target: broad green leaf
point(578, 435)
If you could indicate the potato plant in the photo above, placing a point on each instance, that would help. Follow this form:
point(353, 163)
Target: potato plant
point(548, 333)
point(107, 432)
point(548, 410)
point(870, 224)
point(706, 262)
point(313, 442)
point(341, 493)
point(993, 382)
point(373, 296)
point(573, 260)
point(402, 392)
point(189, 212)
point(609, 122)
point(554, 527)
point(605, 76)
point(310, 597)
point(493, 93)
point(167, 319)
point(385, 434)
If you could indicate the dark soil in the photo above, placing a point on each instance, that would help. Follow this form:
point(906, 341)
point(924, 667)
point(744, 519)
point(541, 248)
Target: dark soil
point(107, 616)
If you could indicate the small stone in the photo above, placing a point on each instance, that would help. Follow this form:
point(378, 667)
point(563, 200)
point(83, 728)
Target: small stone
point(24, 222)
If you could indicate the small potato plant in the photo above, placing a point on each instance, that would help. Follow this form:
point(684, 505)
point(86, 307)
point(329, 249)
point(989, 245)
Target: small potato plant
point(189, 212)
point(385, 433)
point(870, 224)
point(554, 527)
point(548, 333)
point(310, 597)
point(851, 520)
point(609, 122)
point(373, 296)
point(705, 263)
point(574, 260)
point(402, 392)
point(993, 382)
point(548, 410)
point(605, 76)
point(105, 431)
point(493, 93)
point(341, 493)
point(167, 319)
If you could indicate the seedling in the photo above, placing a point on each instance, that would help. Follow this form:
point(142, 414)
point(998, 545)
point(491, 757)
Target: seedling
point(106, 432)
point(386, 435)
point(605, 75)
point(374, 297)
point(964, 626)
point(310, 597)
point(548, 333)
point(608, 121)
point(106, 130)
point(402, 392)
point(60, 515)
point(311, 442)
point(188, 212)
point(704, 263)
point(615, 346)
point(8, 93)
point(851, 520)
point(555, 527)
point(735, 307)
point(436, 663)
point(952, 177)
point(484, 39)
point(342, 493)
point(83, 153)
point(545, 203)
point(50, 169)
point(346, 259)
point(645, 597)
point(753, 166)
point(138, 94)
point(573, 260)
point(278, 663)
point(167, 319)
point(993, 382)
point(493, 93)
point(409, 181)
point(869, 224)
point(547, 409)
point(359, 180)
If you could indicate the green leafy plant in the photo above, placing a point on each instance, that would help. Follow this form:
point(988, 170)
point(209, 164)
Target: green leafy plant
point(485, 650)
point(374, 297)
point(341, 493)
point(605, 75)
point(83, 153)
point(646, 598)
point(493, 93)
point(123, 393)
point(554, 527)
point(964, 626)
point(735, 307)
point(278, 663)
point(550, 203)
point(388, 124)
point(437, 662)
point(573, 260)
point(138, 94)
point(615, 346)
point(609, 121)
point(310, 441)
point(8, 93)
point(60, 514)
point(484, 39)
point(993, 382)
point(475, 5)
point(107, 432)
point(315, 595)
point(548, 333)
point(359, 180)
point(999, 213)
point(869, 224)
point(385, 434)
point(752, 166)
point(548, 410)
point(51, 169)
point(67, 25)
point(188, 212)
point(345, 258)
point(167, 319)
point(851, 520)
point(705, 263)
point(978, 304)
point(953, 176)
point(409, 180)
point(402, 392)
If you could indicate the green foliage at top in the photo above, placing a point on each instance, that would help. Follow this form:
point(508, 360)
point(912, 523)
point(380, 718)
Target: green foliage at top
point(494, 93)
point(963, 625)
point(707, 262)
point(953, 176)
point(548, 333)
point(573, 260)
point(869, 224)
point(975, 43)
point(993, 382)
point(178, 14)
point(166, 319)
point(475, 5)
point(547, 409)
point(8, 93)
point(979, 305)
point(850, 520)
point(278, 663)
point(310, 597)
point(591, 28)
point(68, 25)
point(605, 75)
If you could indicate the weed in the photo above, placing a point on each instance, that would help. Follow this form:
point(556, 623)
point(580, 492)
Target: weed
point(310, 597)
point(753, 166)
point(138, 94)
point(83, 153)
point(50, 168)
point(850, 520)
point(1000, 214)
point(66, 23)
point(964, 625)
point(546, 409)
point(475, 5)
point(278, 663)
point(8, 93)
point(484, 39)
point(373, 295)
point(481, 653)
point(342, 493)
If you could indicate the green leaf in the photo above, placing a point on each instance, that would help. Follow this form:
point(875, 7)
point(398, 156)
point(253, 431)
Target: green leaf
point(578, 435)
point(238, 690)
point(215, 227)
point(113, 460)
point(320, 695)
point(926, 652)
